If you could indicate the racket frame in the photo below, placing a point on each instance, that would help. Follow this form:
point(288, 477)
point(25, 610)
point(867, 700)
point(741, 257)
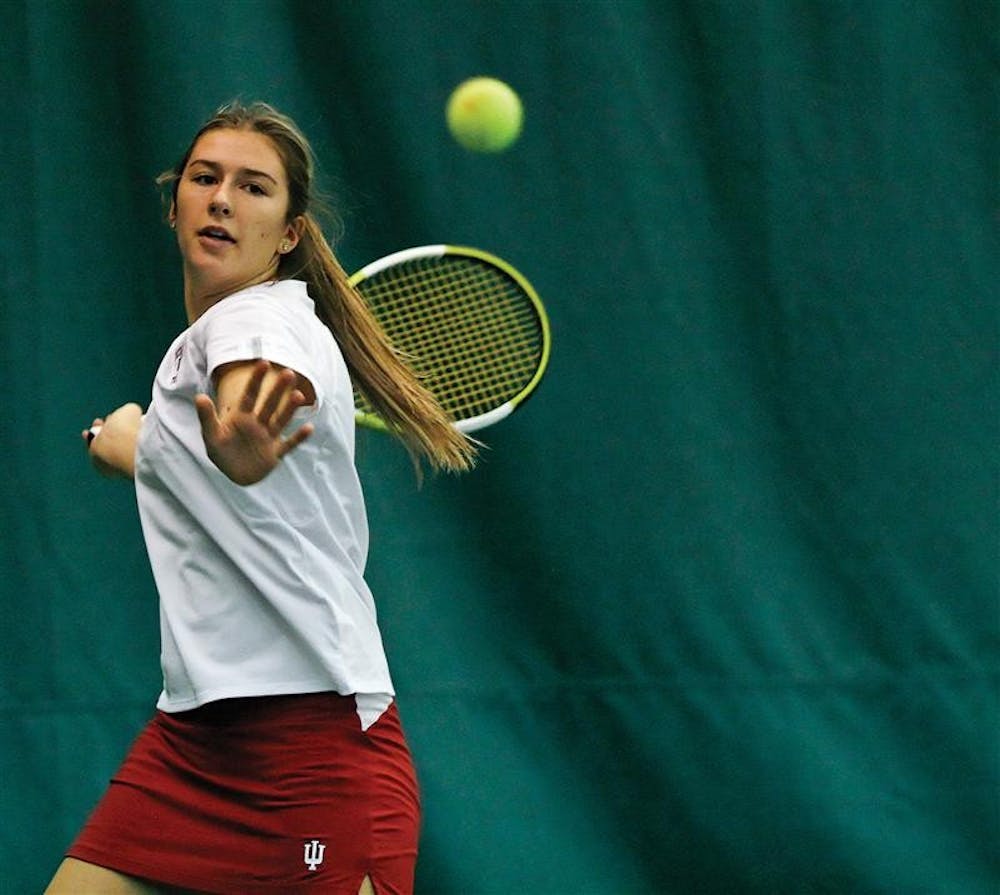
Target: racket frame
point(437, 250)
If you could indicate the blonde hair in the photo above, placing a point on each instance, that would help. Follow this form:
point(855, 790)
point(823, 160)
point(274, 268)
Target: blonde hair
point(377, 370)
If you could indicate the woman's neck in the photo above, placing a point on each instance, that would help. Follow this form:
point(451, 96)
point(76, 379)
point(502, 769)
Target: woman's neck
point(198, 298)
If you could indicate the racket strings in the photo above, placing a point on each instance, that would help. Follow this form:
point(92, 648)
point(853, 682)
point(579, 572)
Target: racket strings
point(471, 331)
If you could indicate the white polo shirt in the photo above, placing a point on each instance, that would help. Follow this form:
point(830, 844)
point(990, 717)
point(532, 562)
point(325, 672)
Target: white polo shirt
point(261, 587)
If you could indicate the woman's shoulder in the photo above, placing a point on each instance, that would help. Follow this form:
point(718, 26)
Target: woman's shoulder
point(279, 301)
point(288, 294)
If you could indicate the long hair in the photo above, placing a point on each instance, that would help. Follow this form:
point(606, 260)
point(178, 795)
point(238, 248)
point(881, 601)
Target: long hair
point(377, 370)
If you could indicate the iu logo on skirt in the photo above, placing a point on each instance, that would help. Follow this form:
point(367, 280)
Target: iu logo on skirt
point(313, 854)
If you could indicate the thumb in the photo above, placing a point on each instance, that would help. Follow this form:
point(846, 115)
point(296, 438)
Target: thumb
point(207, 416)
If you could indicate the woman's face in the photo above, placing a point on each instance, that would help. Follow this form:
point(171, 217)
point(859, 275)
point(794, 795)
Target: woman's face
point(230, 214)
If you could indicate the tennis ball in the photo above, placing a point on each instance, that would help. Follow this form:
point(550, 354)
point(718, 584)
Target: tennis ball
point(484, 115)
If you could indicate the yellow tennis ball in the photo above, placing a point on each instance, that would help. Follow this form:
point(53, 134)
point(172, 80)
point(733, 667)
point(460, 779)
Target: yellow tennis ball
point(484, 115)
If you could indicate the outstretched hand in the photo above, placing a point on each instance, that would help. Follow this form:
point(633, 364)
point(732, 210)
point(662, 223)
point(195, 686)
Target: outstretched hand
point(244, 440)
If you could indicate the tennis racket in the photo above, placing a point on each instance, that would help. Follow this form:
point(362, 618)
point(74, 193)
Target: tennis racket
point(471, 325)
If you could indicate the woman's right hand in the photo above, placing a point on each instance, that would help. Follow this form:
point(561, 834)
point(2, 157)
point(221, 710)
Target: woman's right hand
point(112, 450)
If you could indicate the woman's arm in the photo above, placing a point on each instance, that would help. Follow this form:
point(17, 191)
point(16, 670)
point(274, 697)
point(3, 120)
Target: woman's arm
point(112, 449)
point(242, 427)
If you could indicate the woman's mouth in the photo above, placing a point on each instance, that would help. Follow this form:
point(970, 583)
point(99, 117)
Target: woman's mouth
point(220, 234)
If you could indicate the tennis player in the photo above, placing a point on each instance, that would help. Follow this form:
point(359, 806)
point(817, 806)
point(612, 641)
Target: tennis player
point(275, 761)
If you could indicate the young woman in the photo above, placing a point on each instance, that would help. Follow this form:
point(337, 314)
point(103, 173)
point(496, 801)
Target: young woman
point(275, 761)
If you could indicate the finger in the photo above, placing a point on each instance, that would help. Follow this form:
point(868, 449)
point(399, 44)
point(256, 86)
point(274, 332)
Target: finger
point(273, 398)
point(296, 438)
point(287, 410)
point(252, 389)
point(207, 416)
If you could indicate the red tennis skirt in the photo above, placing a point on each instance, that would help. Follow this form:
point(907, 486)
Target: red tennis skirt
point(262, 794)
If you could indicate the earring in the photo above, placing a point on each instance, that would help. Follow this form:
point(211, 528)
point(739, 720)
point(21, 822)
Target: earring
point(285, 246)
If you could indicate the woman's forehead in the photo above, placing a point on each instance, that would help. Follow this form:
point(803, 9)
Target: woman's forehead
point(239, 149)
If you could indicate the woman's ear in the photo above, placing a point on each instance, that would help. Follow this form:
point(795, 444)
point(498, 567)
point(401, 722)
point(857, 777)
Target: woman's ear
point(293, 232)
point(172, 214)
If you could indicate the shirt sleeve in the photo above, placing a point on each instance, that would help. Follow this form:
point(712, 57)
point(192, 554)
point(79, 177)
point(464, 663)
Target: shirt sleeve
point(254, 327)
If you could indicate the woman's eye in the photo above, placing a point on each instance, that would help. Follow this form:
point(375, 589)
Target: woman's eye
point(203, 179)
point(256, 189)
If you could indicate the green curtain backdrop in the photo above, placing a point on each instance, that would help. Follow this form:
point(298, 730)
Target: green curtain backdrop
point(718, 613)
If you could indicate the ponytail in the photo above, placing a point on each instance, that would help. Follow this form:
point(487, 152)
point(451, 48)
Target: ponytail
point(377, 370)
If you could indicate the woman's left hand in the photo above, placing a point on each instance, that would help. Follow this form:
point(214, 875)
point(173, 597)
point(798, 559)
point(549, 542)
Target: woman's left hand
point(243, 435)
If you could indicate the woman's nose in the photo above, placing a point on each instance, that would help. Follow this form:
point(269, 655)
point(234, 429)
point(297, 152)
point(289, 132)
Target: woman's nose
point(219, 205)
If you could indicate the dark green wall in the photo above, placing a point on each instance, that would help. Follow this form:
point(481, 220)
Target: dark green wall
point(719, 611)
